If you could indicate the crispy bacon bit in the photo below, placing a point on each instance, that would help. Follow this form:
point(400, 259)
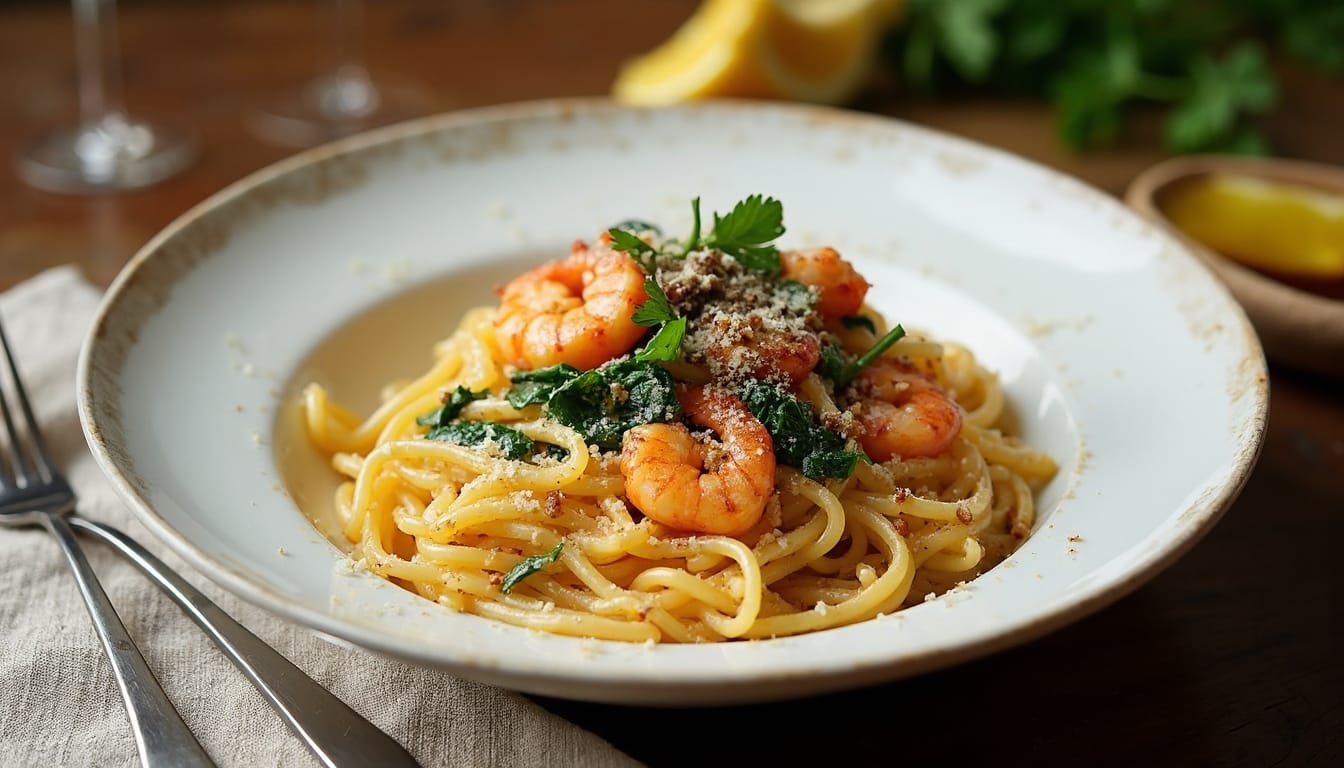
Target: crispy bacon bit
point(900, 495)
point(496, 579)
point(902, 527)
point(554, 500)
point(964, 516)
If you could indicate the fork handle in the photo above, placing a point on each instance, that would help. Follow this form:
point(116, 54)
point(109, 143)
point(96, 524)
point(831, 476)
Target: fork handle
point(161, 736)
point(336, 734)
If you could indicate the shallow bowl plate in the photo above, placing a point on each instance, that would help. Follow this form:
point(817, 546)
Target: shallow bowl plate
point(1121, 355)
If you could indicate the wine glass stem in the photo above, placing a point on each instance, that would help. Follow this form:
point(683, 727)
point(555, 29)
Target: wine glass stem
point(98, 62)
point(345, 35)
point(348, 92)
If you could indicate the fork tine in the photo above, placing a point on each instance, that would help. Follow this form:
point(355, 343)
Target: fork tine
point(25, 472)
point(16, 449)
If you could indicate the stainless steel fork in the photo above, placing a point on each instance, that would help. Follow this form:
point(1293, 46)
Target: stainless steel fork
point(33, 492)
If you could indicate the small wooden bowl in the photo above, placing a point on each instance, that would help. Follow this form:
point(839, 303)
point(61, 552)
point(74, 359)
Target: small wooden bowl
point(1297, 328)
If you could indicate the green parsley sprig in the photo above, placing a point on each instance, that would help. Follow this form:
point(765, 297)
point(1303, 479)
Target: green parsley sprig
point(666, 343)
point(1202, 66)
point(747, 233)
point(837, 368)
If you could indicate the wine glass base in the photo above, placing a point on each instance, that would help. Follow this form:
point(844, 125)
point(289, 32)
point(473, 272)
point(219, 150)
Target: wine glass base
point(329, 108)
point(109, 155)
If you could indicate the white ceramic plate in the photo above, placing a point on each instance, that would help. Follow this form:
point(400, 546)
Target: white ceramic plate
point(1122, 356)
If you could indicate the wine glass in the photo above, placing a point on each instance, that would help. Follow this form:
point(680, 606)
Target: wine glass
point(345, 99)
point(106, 149)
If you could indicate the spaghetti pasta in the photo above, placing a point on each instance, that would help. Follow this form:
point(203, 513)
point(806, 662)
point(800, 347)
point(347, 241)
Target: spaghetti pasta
point(757, 468)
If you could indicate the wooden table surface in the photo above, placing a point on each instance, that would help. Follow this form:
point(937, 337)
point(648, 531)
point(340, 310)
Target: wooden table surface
point(1230, 657)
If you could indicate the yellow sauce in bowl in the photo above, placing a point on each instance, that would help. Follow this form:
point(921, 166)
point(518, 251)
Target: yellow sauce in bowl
point(1292, 233)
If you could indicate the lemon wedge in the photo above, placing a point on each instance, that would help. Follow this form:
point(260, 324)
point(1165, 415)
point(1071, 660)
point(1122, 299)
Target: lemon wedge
point(1279, 228)
point(803, 50)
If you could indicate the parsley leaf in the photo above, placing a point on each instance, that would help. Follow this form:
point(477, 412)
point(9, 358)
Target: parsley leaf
point(665, 344)
point(746, 233)
point(1221, 90)
point(1312, 33)
point(1092, 93)
point(629, 242)
point(510, 442)
point(965, 31)
point(657, 309)
point(452, 406)
point(528, 566)
point(798, 440)
point(1098, 62)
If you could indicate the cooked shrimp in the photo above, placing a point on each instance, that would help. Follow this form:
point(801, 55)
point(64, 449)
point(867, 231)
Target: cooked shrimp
point(663, 467)
point(841, 289)
point(903, 412)
point(575, 310)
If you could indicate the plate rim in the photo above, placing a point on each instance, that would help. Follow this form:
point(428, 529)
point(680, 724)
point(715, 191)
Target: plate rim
point(1199, 516)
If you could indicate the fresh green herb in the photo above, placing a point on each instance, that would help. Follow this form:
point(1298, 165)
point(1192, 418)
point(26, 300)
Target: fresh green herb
point(1220, 89)
point(1099, 61)
point(510, 442)
point(657, 309)
point(533, 387)
point(874, 352)
point(798, 440)
point(629, 242)
point(833, 362)
point(1310, 31)
point(665, 344)
point(859, 321)
point(693, 241)
point(528, 566)
point(528, 393)
point(603, 404)
point(834, 366)
point(452, 406)
point(747, 232)
point(838, 463)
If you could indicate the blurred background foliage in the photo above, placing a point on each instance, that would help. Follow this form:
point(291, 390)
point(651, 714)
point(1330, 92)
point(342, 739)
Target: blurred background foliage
point(1206, 65)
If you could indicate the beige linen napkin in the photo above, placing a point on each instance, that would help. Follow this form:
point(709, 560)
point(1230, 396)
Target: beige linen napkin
point(58, 702)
